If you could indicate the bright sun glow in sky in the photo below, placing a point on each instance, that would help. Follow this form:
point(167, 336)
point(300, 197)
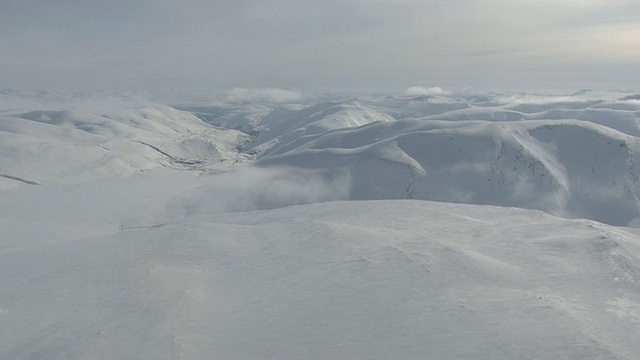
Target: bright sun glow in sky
point(311, 44)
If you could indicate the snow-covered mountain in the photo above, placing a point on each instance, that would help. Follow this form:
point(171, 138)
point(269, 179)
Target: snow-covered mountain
point(573, 156)
point(122, 238)
point(48, 140)
point(568, 168)
point(576, 157)
point(127, 276)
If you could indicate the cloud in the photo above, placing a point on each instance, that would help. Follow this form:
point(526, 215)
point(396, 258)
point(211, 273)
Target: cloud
point(271, 95)
point(419, 90)
point(259, 188)
point(315, 45)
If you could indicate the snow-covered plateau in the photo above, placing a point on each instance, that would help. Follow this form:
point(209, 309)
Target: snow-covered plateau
point(449, 226)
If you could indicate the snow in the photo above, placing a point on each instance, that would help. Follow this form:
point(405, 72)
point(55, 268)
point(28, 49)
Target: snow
point(132, 230)
point(85, 139)
point(339, 279)
point(568, 168)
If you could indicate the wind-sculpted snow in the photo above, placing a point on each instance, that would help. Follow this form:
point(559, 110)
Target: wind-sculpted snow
point(84, 139)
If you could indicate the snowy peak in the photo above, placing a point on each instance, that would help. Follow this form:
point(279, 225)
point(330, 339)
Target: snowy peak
point(282, 127)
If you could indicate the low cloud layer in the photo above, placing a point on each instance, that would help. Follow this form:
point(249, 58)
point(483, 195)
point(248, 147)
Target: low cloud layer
point(270, 95)
point(420, 90)
point(255, 188)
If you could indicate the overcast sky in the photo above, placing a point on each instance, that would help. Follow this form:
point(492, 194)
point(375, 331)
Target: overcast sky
point(318, 44)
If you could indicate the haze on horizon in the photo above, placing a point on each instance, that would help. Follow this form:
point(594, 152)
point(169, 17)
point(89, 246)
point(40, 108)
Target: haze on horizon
point(334, 44)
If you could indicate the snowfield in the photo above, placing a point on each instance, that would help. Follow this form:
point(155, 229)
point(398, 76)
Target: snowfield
point(451, 226)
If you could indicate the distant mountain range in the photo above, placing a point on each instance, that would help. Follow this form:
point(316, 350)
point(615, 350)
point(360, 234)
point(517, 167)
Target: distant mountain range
point(570, 155)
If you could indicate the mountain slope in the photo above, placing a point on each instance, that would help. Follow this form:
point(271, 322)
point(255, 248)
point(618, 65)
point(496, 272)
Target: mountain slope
point(267, 260)
point(342, 279)
point(575, 162)
point(567, 168)
point(87, 139)
point(282, 127)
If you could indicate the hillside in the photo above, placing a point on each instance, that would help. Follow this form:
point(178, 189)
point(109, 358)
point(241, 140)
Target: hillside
point(170, 276)
point(455, 226)
point(570, 158)
point(75, 139)
point(567, 168)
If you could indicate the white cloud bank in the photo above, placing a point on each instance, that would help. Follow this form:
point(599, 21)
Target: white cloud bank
point(255, 188)
point(421, 90)
point(271, 95)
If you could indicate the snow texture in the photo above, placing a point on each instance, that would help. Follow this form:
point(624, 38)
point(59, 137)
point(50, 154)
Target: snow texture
point(133, 230)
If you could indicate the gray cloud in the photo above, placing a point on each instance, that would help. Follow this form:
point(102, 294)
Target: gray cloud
point(309, 44)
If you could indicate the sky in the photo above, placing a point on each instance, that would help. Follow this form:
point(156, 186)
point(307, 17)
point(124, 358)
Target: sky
point(157, 45)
